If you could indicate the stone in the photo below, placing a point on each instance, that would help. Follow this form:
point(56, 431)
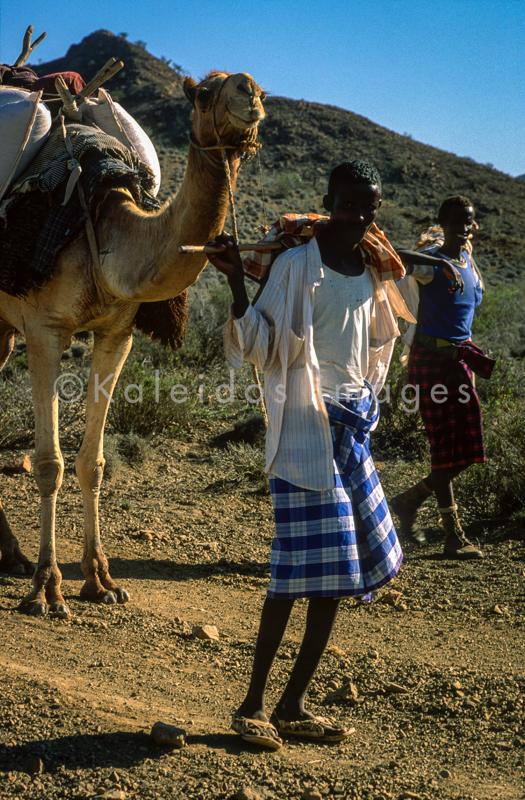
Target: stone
point(346, 692)
point(445, 773)
point(254, 793)
point(394, 688)
point(146, 536)
point(335, 651)
point(168, 735)
point(18, 466)
point(392, 597)
point(205, 632)
point(373, 654)
point(115, 794)
point(311, 793)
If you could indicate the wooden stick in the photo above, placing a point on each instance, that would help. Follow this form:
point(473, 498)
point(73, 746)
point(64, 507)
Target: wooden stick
point(107, 72)
point(27, 47)
point(69, 103)
point(243, 248)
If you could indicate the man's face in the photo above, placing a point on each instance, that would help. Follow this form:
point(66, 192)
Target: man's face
point(353, 209)
point(458, 225)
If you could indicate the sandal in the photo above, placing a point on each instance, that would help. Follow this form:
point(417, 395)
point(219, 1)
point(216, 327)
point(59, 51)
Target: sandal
point(257, 732)
point(316, 729)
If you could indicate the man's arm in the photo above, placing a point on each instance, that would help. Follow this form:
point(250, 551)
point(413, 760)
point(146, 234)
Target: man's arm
point(423, 260)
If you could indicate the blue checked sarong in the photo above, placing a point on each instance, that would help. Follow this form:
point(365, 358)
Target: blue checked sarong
point(317, 550)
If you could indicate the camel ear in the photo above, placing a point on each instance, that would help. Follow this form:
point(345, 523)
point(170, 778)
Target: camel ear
point(205, 97)
point(190, 89)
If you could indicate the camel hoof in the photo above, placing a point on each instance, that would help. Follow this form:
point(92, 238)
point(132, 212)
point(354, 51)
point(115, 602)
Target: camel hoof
point(36, 609)
point(123, 596)
point(61, 610)
point(18, 569)
point(109, 598)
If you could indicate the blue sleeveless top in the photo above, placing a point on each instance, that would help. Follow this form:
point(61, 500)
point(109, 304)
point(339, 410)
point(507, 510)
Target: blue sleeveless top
point(446, 315)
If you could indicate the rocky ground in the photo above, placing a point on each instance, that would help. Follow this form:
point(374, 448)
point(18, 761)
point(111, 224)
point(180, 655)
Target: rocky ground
point(431, 675)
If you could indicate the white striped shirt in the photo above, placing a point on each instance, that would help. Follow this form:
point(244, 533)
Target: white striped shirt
point(277, 336)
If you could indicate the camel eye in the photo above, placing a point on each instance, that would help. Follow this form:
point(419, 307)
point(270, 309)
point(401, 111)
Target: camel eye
point(262, 98)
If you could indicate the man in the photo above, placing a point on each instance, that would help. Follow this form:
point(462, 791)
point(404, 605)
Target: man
point(440, 357)
point(323, 331)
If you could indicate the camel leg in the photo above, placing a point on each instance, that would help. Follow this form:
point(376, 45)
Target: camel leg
point(11, 557)
point(12, 560)
point(44, 350)
point(109, 354)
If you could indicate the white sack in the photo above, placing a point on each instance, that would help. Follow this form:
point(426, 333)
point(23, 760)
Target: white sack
point(24, 128)
point(113, 120)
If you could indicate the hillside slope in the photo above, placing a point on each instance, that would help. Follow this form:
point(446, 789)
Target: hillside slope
point(302, 142)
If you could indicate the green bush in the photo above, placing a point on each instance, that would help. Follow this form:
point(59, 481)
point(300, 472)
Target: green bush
point(495, 489)
point(285, 184)
point(502, 308)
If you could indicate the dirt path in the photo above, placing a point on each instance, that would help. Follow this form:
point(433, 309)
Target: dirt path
point(82, 694)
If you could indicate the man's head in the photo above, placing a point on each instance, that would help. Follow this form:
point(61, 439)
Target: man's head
point(456, 217)
point(353, 199)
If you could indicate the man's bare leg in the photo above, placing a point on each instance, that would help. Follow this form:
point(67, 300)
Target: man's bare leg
point(274, 619)
point(320, 619)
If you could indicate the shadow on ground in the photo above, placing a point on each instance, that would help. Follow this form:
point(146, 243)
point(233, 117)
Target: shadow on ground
point(169, 570)
point(120, 750)
point(80, 751)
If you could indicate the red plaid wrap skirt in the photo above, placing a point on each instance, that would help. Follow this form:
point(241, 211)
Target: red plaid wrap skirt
point(454, 427)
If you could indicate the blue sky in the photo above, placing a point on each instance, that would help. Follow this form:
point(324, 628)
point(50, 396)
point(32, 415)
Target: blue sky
point(451, 73)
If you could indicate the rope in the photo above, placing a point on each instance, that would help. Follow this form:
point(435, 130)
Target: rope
point(265, 216)
point(73, 180)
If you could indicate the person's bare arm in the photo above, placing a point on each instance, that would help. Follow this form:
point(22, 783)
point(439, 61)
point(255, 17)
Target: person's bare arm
point(422, 259)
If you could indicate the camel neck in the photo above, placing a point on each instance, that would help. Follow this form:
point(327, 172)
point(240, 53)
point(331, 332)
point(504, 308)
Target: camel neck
point(204, 193)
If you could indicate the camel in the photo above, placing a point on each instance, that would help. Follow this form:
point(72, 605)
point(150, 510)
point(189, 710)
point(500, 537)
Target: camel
point(138, 262)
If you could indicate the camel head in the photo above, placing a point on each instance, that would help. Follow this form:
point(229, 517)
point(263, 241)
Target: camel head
point(227, 105)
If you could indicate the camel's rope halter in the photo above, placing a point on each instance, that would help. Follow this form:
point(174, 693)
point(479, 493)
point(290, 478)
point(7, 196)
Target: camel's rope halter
point(249, 147)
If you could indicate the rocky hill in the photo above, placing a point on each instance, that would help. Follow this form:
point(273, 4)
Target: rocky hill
point(302, 142)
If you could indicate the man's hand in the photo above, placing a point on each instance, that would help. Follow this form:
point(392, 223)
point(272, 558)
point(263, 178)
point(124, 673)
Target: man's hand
point(453, 275)
point(228, 261)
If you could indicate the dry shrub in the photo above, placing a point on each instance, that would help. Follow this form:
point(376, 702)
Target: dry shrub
point(17, 419)
point(243, 463)
point(124, 450)
point(149, 416)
